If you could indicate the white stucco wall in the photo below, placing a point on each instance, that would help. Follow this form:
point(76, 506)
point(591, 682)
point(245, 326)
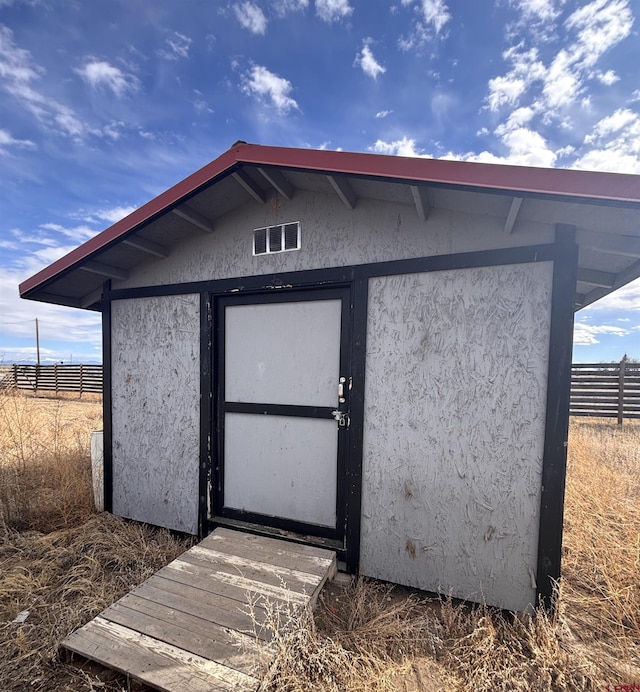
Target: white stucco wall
point(454, 429)
point(332, 236)
point(156, 410)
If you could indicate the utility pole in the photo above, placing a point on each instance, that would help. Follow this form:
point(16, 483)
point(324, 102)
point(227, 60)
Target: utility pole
point(37, 341)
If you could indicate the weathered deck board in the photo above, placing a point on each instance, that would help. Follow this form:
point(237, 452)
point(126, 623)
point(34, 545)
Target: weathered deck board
point(200, 622)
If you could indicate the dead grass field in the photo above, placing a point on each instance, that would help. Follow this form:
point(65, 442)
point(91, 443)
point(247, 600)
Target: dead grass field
point(63, 563)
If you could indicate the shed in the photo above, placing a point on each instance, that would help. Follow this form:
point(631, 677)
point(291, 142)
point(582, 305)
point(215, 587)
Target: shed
point(362, 352)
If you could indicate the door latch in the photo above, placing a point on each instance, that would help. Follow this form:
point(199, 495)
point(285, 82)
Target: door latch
point(343, 418)
point(341, 398)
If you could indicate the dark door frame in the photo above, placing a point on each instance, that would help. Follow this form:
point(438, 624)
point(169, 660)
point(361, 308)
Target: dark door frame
point(345, 537)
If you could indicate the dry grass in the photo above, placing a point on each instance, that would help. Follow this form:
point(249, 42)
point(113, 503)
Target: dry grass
point(63, 579)
point(601, 585)
point(59, 560)
point(45, 470)
point(364, 636)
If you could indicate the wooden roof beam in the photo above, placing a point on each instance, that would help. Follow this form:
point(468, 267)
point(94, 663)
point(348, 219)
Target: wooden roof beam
point(512, 216)
point(147, 246)
point(594, 277)
point(104, 270)
point(611, 243)
point(579, 300)
point(249, 186)
point(278, 181)
point(624, 277)
point(91, 298)
point(344, 191)
point(194, 218)
point(421, 200)
point(47, 297)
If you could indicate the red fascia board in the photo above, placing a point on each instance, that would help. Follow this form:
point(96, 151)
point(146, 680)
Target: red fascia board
point(553, 182)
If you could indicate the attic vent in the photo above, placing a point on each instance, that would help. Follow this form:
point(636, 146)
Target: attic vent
point(280, 238)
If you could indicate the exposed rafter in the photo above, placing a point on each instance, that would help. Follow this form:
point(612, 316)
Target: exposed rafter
point(104, 270)
point(147, 246)
point(611, 243)
point(629, 274)
point(516, 203)
point(91, 298)
point(47, 297)
point(344, 191)
point(194, 218)
point(594, 277)
point(421, 200)
point(278, 181)
point(248, 184)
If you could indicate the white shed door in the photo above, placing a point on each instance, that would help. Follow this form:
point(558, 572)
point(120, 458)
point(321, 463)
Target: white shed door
point(281, 441)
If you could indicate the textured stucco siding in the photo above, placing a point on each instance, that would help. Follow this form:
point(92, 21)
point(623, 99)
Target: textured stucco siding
point(156, 410)
point(332, 236)
point(454, 429)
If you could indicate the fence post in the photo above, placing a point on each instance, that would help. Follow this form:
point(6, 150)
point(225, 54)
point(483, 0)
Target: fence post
point(55, 377)
point(621, 372)
point(81, 374)
point(15, 375)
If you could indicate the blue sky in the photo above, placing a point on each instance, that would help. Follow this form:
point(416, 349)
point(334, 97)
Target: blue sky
point(105, 104)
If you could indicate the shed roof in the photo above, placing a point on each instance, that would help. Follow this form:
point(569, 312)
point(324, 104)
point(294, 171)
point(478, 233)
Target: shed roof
point(604, 207)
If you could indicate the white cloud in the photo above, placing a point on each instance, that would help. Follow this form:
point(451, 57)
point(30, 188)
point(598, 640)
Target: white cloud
point(399, 147)
point(70, 124)
point(433, 15)
point(600, 25)
point(79, 234)
point(114, 214)
point(542, 10)
point(383, 114)
point(591, 31)
point(79, 331)
point(269, 87)
point(333, 10)
point(284, 7)
point(596, 28)
point(251, 17)
point(532, 96)
point(18, 77)
point(615, 144)
point(607, 78)
point(7, 141)
point(625, 298)
point(526, 68)
point(366, 60)
point(506, 89)
point(179, 45)
point(99, 73)
point(587, 334)
point(615, 122)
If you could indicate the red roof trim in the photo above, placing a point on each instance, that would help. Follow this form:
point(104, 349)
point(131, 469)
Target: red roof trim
point(556, 182)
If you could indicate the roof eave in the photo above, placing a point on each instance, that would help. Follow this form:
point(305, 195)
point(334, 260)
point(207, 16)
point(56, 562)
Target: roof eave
point(145, 214)
point(557, 184)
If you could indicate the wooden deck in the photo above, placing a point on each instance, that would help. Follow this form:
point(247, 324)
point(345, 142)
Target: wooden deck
point(202, 622)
